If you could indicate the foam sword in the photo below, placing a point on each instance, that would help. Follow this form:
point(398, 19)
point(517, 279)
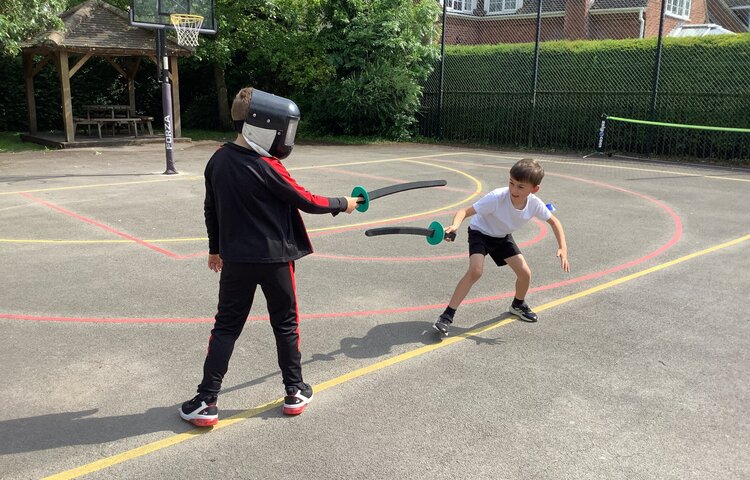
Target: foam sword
point(435, 233)
point(367, 197)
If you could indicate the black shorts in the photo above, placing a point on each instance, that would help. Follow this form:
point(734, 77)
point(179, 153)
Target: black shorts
point(499, 248)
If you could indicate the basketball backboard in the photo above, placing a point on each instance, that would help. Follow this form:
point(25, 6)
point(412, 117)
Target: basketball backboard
point(155, 14)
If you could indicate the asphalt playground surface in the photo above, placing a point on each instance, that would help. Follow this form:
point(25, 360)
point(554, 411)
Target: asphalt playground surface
point(637, 369)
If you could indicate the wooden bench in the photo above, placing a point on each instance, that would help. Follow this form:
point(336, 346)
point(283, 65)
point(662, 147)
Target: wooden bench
point(146, 123)
point(115, 122)
point(133, 122)
point(88, 122)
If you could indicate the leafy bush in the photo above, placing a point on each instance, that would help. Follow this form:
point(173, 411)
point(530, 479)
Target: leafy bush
point(378, 100)
point(381, 52)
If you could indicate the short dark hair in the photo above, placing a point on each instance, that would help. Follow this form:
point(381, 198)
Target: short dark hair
point(241, 104)
point(527, 170)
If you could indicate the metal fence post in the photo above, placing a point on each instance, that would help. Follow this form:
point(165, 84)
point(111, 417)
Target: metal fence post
point(442, 74)
point(655, 84)
point(535, 74)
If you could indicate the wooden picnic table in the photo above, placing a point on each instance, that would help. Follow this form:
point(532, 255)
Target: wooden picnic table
point(107, 111)
point(115, 115)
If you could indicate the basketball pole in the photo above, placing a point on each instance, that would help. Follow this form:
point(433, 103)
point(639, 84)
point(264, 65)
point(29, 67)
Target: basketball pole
point(166, 98)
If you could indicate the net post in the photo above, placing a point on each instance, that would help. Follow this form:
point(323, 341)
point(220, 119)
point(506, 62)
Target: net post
point(602, 133)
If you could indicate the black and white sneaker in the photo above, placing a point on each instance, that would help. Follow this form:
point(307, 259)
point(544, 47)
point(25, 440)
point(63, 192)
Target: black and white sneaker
point(523, 312)
point(296, 400)
point(201, 411)
point(443, 324)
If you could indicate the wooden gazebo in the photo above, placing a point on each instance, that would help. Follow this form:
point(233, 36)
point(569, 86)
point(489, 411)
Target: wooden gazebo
point(95, 29)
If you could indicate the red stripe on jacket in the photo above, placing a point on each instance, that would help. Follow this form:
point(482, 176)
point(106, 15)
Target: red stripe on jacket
point(311, 198)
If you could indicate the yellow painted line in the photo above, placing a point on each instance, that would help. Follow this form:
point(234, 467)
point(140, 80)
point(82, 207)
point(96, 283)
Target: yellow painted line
point(476, 192)
point(74, 242)
point(620, 167)
point(62, 242)
point(367, 162)
point(98, 185)
point(360, 372)
point(198, 177)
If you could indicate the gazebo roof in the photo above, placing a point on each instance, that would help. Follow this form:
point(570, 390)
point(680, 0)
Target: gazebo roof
point(99, 28)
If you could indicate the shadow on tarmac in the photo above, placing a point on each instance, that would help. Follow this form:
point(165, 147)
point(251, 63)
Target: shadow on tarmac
point(79, 428)
point(379, 341)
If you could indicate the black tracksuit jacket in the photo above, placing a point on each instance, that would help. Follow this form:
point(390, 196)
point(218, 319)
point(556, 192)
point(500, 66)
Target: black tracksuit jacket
point(252, 208)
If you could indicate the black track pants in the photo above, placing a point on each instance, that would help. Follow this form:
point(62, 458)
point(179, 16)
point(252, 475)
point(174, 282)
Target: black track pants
point(236, 290)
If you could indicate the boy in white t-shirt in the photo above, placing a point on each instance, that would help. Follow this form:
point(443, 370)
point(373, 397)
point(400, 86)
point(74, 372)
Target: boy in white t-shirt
point(495, 217)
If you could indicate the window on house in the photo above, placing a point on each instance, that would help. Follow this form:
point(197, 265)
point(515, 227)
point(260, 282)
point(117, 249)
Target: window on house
point(463, 6)
point(744, 15)
point(679, 8)
point(503, 6)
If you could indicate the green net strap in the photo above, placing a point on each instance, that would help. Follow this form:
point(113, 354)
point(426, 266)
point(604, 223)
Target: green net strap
point(680, 125)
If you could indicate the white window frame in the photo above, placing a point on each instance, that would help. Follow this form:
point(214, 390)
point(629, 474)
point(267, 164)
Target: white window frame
point(506, 6)
point(467, 6)
point(679, 8)
point(744, 19)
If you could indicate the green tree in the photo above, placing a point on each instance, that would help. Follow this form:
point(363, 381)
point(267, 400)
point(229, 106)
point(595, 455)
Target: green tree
point(354, 66)
point(268, 42)
point(381, 52)
point(21, 19)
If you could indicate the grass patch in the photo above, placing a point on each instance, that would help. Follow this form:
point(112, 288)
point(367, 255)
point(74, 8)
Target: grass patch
point(311, 139)
point(302, 138)
point(11, 142)
point(197, 135)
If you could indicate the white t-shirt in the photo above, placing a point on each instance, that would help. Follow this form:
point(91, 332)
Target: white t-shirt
point(497, 217)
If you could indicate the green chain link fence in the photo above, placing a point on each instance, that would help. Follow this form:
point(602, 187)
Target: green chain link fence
point(498, 84)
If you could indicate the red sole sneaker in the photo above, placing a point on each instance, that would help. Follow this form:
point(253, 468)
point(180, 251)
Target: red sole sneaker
point(293, 410)
point(204, 422)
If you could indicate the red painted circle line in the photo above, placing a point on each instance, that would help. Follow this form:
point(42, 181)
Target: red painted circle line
point(676, 235)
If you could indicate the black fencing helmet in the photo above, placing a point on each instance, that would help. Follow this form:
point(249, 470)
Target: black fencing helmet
point(271, 124)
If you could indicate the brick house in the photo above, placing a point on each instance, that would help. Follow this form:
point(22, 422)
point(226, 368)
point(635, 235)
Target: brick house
point(514, 21)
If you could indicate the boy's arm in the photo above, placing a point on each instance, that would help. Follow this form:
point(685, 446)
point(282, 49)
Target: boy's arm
point(458, 218)
point(281, 183)
point(562, 246)
point(212, 227)
point(209, 213)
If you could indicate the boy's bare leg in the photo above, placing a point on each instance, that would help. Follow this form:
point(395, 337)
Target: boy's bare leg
point(476, 267)
point(519, 307)
point(523, 274)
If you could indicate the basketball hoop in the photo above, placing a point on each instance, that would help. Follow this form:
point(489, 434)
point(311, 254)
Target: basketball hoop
point(187, 28)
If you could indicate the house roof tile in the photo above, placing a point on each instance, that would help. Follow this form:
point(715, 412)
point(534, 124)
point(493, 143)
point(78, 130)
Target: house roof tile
point(96, 26)
point(530, 6)
point(613, 4)
point(737, 3)
point(558, 6)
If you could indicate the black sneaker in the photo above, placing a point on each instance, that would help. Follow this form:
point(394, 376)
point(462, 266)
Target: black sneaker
point(201, 411)
point(443, 324)
point(296, 400)
point(523, 312)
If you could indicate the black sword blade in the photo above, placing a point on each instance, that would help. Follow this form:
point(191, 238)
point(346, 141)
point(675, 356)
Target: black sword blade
point(402, 187)
point(374, 232)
